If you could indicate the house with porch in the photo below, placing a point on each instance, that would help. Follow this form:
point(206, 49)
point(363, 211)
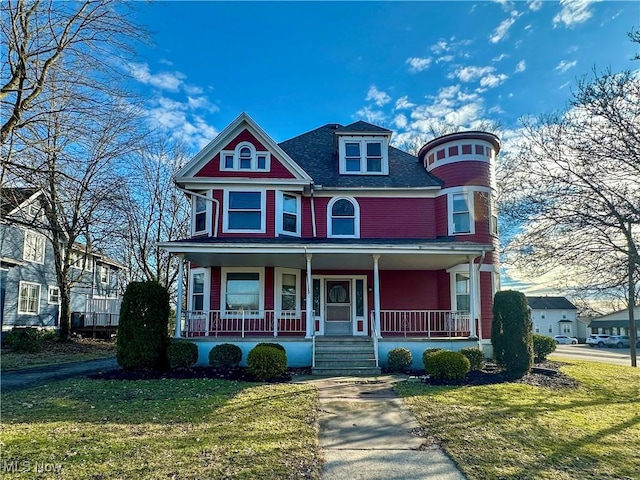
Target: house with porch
point(338, 245)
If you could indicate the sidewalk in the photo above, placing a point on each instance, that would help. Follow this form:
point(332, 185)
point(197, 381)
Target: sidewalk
point(29, 377)
point(365, 433)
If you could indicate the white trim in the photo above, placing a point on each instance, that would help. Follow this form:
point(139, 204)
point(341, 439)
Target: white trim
point(470, 201)
point(38, 237)
point(263, 210)
point(362, 141)
point(200, 183)
point(101, 269)
point(356, 219)
point(460, 157)
point(277, 293)
point(50, 287)
point(206, 300)
point(39, 298)
point(253, 159)
point(382, 192)
point(452, 286)
point(28, 200)
point(223, 284)
point(280, 214)
point(207, 212)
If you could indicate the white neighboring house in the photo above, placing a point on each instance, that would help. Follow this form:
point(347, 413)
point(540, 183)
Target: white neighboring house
point(553, 316)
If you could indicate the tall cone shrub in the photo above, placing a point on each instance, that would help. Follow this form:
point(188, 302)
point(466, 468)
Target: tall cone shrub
point(511, 334)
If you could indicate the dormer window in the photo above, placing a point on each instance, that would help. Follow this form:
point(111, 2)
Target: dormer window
point(363, 155)
point(245, 157)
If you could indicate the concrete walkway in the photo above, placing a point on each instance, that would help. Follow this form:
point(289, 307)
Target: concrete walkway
point(29, 377)
point(366, 433)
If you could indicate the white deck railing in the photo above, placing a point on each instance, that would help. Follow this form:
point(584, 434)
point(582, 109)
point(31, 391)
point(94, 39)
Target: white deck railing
point(102, 312)
point(424, 323)
point(211, 323)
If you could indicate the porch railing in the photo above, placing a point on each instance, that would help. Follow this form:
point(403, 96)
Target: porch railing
point(424, 323)
point(212, 323)
point(102, 312)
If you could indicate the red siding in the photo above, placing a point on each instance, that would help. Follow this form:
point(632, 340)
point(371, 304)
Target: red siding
point(214, 293)
point(441, 216)
point(408, 290)
point(444, 290)
point(397, 217)
point(465, 173)
point(269, 287)
point(486, 303)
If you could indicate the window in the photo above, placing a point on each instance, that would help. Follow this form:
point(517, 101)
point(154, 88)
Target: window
point(80, 260)
point(242, 289)
point(33, 247)
point(53, 296)
point(244, 212)
point(288, 214)
point(493, 215)
point(245, 157)
point(34, 209)
point(288, 289)
point(198, 283)
point(364, 156)
point(104, 274)
point(537, 328)
point(462, 292)
point(29, 298)
point(200, 215)
point(566, 328)
point(460, 214)
point(343, 218)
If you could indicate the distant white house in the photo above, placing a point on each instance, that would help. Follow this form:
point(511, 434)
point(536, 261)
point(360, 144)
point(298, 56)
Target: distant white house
point(553, 316)
point(616, 323)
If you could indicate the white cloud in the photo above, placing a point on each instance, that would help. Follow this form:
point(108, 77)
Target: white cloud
point(468, 74)
point(573, 12)
point(444, 58)
point(500, 57)
point(417, 64)
point(372, 116)
point(400, 121)
point(193, 90)
point(563, 66)
point(534, 5)
point(164, 80)
point(521, 66)
point(378, 97)
point(492, 81)
point(502, 30)
point(440, 46)
point(564, 85)
point(404, 103)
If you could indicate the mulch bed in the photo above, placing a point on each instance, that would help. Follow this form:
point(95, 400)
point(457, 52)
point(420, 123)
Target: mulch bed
point(237, 374)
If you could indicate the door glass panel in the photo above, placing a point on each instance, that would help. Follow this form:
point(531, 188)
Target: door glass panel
point(359, 298)
point(316, 296)
point(288, 291)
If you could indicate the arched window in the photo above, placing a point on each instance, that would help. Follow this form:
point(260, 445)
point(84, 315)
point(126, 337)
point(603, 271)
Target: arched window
point(245, 158)
point(344, 218)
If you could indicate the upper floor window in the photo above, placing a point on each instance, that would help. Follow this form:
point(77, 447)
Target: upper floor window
point(29, 298)
point(104, 274)
point(244, 212)
point(288, 214)
point(493, 215)
point(34, 245)
point(344, 218)
point(364, 156)
point(245, 157)
point(81, 260)
point(200, 214)
point(460, 220)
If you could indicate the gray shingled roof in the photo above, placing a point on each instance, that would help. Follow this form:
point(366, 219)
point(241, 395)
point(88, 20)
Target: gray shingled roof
point(361, 126)
point(14, 197)
point(314, 152)
point(550, 303)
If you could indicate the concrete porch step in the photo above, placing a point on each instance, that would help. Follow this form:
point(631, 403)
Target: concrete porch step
point(347, 371)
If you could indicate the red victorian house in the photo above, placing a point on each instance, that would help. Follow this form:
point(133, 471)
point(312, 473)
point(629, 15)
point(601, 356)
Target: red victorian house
point(334, 242)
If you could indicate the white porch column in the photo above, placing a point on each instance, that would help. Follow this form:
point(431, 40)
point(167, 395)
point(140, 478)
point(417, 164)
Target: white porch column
point(177, 331)
point(376, 292)
point(472, 299)
point(310, 317)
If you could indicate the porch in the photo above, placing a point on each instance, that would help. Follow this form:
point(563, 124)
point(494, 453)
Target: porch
point(100, 317)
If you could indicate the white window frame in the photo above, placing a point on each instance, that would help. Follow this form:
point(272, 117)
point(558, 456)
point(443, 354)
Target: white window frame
point(194, 201)
point(263, 211)
point(81, 261)
point(104, 269)
point(20, 296)
point(493, 215)
point(280, 214)
point(223, 288)
point(362, 141)
point(51, 289)
point(279, 272)
point(356, 220)
point(470, 194)
point(236, 159)
point(39, 239)
point(454, 293)
point(206, 300)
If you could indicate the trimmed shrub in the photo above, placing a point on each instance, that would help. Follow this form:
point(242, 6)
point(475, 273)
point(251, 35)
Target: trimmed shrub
point(272, 345)
point(265, 362)
point(432, 350)
point(24, 340)
point(511, 332)
point(445, 365)
point(475, 357)
point(542, 347)
point(182, 354)
point(142, 333)
point(399, 359)
point(225, 355)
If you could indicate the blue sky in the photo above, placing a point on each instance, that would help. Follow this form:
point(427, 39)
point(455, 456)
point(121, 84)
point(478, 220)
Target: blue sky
point(294, 66)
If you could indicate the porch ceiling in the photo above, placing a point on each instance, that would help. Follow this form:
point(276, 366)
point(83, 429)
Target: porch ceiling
point(430, 256)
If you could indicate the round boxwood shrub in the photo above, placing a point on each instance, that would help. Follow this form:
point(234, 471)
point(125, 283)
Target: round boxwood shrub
point(182, 354)
point(143, 329)
point(225, 355)
point(265, 362)
point(399, 359)
point(432, 350)
point(475, 357)
point(542, 347)
point(446, 365)
point(24, 340)
point(272, 345)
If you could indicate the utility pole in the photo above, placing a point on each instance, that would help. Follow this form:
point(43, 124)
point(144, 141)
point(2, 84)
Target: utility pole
point(632, 299)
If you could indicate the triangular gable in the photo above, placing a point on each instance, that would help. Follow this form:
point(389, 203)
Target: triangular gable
point(19, 197)
point(242, 128)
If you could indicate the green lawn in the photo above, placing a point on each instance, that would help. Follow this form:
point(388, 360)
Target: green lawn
point(161, 429)
point(513, 431)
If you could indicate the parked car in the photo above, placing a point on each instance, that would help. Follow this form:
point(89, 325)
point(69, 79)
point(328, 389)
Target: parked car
point(565, 340)
point(597, 340)
point(619, 341)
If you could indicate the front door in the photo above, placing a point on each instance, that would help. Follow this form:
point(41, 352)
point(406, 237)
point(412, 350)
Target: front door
point(338, 307)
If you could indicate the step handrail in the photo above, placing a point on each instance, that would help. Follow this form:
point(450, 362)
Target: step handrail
point(374, 334)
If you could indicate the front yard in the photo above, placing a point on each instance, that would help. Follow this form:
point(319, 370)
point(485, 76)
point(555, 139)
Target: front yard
point(514, 431)
point(161, 429)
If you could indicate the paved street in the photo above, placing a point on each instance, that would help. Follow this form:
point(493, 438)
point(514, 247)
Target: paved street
point(618, 356)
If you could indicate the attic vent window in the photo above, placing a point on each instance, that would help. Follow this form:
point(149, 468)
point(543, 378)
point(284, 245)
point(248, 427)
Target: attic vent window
point(245, 157)
point(364, 155)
